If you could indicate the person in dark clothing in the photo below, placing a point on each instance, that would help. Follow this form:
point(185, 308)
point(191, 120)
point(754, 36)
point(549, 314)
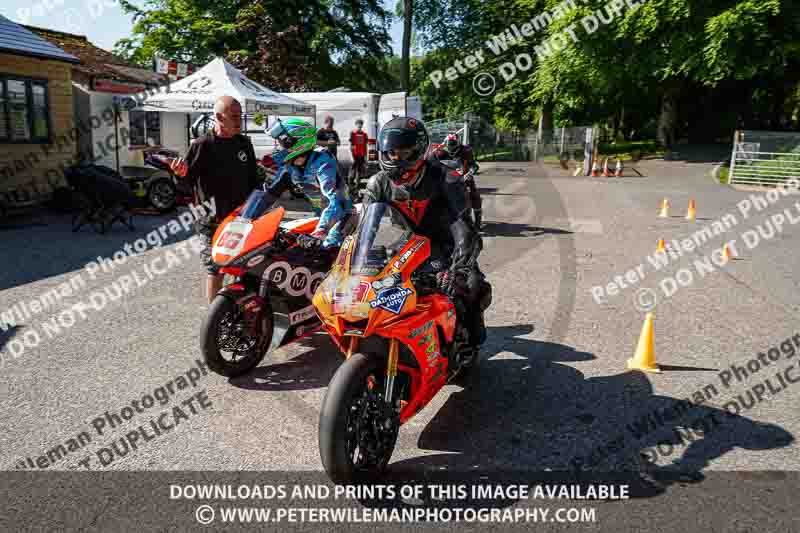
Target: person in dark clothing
point(219, 165)
point(454, 150)
point(328, 137)
point(435, 205)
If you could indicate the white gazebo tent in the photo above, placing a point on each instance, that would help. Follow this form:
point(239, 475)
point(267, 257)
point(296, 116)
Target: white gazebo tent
point(195, 95)
point(198, 92)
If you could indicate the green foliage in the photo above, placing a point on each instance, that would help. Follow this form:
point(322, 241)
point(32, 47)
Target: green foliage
point(315, 45)
point(729, 52)
point(698, 66)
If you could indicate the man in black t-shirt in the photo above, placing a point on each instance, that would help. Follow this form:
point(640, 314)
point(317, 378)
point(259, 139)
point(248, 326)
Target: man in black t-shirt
point(327, 137)
point(220, 165)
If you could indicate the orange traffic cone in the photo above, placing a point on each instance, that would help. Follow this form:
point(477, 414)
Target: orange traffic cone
point(645, 357)
point(606, 173)
point(595, 169)
point(618, 172)
point(662, 246)
point(664, 209)
point(726, 252)
point(691, 212)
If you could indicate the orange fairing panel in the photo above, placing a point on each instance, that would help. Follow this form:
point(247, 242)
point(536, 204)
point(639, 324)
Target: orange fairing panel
point(236, 237)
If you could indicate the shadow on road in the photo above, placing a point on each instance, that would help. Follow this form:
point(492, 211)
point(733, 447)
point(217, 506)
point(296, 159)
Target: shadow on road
point(312, 369)
point(526, 417)
point(44, 251)
point(509, 229)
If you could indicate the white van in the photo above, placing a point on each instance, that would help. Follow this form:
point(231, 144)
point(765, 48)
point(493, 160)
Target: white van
point(345, 107)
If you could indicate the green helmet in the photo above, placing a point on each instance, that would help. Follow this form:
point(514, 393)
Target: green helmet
point(305, 141)
point(288, 127)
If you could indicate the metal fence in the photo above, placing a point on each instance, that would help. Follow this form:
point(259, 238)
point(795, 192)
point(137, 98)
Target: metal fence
point(572, 147)
point(765, 158)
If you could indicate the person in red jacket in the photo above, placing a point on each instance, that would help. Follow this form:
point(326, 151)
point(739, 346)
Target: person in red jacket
point(358, 149)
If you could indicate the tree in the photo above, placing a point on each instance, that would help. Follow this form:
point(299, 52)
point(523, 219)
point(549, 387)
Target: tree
point(405, 10)
point(308, 47)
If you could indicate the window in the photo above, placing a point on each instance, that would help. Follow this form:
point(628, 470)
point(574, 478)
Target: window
point(145, 128)
point(24, 110)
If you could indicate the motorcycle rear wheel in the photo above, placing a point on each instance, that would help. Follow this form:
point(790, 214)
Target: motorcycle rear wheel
point(347, 421)
point(162, 194)
point(223, 327)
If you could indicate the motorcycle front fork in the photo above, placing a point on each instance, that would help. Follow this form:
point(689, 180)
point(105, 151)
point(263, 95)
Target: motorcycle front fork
point(391, 369)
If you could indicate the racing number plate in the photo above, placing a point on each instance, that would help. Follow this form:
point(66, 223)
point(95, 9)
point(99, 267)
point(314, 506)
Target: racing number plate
point(232, 239)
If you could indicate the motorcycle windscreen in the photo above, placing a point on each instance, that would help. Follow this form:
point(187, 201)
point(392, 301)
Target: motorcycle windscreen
point(381, 233)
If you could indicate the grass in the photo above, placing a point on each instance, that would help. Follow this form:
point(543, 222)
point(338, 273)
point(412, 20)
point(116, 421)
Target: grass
point(498, 156)
point(627, 151)
point(723, 175)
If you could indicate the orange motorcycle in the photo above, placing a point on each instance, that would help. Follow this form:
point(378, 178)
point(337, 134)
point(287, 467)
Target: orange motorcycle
point(382, 306)
point(267, 305)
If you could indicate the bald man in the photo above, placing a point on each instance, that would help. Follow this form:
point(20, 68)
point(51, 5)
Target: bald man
point(220, 165)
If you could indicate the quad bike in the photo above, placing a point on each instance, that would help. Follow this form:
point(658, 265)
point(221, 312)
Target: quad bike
point(383, 307)
point(267, 304)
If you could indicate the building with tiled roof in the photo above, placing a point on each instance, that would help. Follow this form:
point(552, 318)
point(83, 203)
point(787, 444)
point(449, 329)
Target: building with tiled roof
point(36, 114)
point(108, 134)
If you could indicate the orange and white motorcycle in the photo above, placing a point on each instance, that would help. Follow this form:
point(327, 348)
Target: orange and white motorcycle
point(382, 306)
point(268, 304)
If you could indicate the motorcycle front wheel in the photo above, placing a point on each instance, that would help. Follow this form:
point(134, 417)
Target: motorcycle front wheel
point(225, 331)
point(355, 443)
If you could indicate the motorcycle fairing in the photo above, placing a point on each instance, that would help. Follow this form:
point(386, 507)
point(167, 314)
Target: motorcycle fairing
point(237, 236)
point(346, 301)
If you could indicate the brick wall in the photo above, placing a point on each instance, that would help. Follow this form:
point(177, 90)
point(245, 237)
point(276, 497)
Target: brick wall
point(25, 166)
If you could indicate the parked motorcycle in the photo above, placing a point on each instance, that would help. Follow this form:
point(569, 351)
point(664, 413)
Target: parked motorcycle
point(268, 303)
point(383, 308)
point(155, 183)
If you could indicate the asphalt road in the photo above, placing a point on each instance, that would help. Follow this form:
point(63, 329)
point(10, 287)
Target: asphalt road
point(553, 390)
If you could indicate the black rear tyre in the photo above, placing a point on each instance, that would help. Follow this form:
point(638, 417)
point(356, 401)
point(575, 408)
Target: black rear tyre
point(218, 332)
point(162, 194)
point(338, 425)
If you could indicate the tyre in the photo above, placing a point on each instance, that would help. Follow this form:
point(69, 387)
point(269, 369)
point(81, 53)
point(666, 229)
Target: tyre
point(224, 331)
point(162, 194)
point(352, 445)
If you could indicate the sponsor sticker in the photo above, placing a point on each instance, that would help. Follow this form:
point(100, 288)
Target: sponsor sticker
point(255, 260)
point(295, 281)
point(387, 282)
point(422, 329)
point(407, 254)
point(392, 299)
point(302, 315)
point(426, 339)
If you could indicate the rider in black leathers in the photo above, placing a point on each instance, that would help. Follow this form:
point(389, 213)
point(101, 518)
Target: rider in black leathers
point(435, 205)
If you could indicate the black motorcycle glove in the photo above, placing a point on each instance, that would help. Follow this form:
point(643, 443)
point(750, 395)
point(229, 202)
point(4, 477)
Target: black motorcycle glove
point(453, 283)
point(307, 242)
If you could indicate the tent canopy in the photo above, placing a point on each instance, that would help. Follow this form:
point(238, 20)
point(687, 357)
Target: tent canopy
point(198, 93)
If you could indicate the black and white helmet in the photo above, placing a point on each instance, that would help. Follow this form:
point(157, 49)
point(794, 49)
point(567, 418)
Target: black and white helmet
point(407, 136)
